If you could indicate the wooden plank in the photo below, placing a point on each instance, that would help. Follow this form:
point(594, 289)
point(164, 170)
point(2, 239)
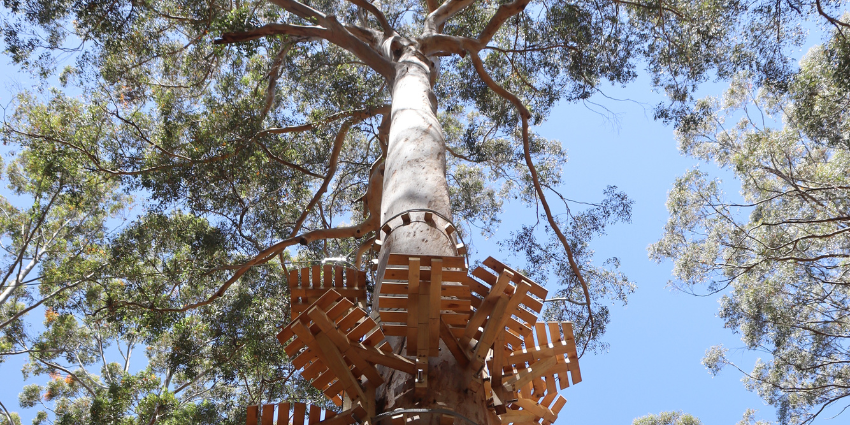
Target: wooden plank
point(253, 415)
point(394, 316)
point(572, 354)
point(350, 320)
point(420, 384)
point(406, 303)
point(532, 407)
point(498, 359)
point(475, 286)
point(350, 278)
point(318, 292)
point(435, 305)
point(316, 275)
point(313, 370)
point(283, 413)
point(330, 331)
point(362, 329)
point(391, 360)
point(344, 418)
point(543, 339)
point(374, 338)
point(452, 344)
point(559, 404)
point(515, 416)
point(327, 276)
point(298, 413)
point(338, 277)
point(394, 330)
point(337, 364)
point(333, 392)
point(303, 358)
point(480, 315)
point(456, 319)
point(498, 267)
point(448, 261)
point(305, 278)
point(537, 353)
point(423, 310)
point(413, 306)
point(526, 375)
point(493, 327)
point(315, 415)
point(402, 274)
point(267, 415)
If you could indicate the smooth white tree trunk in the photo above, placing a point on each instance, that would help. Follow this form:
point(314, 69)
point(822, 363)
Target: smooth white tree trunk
point(415, 177)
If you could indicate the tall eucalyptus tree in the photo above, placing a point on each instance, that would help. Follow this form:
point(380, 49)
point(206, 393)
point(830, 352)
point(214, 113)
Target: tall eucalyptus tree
point(255, 126)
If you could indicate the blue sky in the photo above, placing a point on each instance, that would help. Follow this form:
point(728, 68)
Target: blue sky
point(658, 340)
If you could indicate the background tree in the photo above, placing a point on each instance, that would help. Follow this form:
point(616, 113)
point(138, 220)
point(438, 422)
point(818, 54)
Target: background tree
point(667, 418)
point(273, 138)
point(779, 256)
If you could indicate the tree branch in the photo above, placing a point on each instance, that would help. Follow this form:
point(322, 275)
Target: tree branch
point(436, 19)
point(340, 36)
point(369, 7)
point(308, 32)
point(503, 13)
point(525, 115)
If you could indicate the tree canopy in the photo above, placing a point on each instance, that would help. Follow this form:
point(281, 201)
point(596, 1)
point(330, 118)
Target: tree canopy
point(185, 146)
point(779, 255)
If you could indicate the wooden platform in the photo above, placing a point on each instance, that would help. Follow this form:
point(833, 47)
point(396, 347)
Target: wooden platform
point(338, 345)
point(487, 319)
point(302, 414)
point(308, 284)
point(525, 381)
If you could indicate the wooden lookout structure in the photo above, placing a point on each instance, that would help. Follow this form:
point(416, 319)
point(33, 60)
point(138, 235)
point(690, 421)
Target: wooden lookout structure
point(487, 318)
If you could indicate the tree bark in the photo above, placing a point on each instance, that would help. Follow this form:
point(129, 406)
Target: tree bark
point(415, 177)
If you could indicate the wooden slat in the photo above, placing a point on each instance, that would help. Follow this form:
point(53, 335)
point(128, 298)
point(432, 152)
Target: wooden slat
point(412, 304)
point(337, 364)
point(390, 359)
point(313, 370)
point(342, 343)
point(267, 415)
point(528, 374)
point(480, 315)
point(422, 340)
point(316, 275)
point(338, 282)
point(434, 304)
point(498, 267)
point(425, 260)
point(298, 413)
point(317, 292)
point(406, 302)
point(543, 339)
point(350, 320)
point(516, 416)
point(447, 290)
point(315, 415)
point(283, 413)
point(424, 274)
point(327, 276)
point(253, 415)
point(452, 344)
point(536, 409)
point(350, 278)
point(537, 353)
